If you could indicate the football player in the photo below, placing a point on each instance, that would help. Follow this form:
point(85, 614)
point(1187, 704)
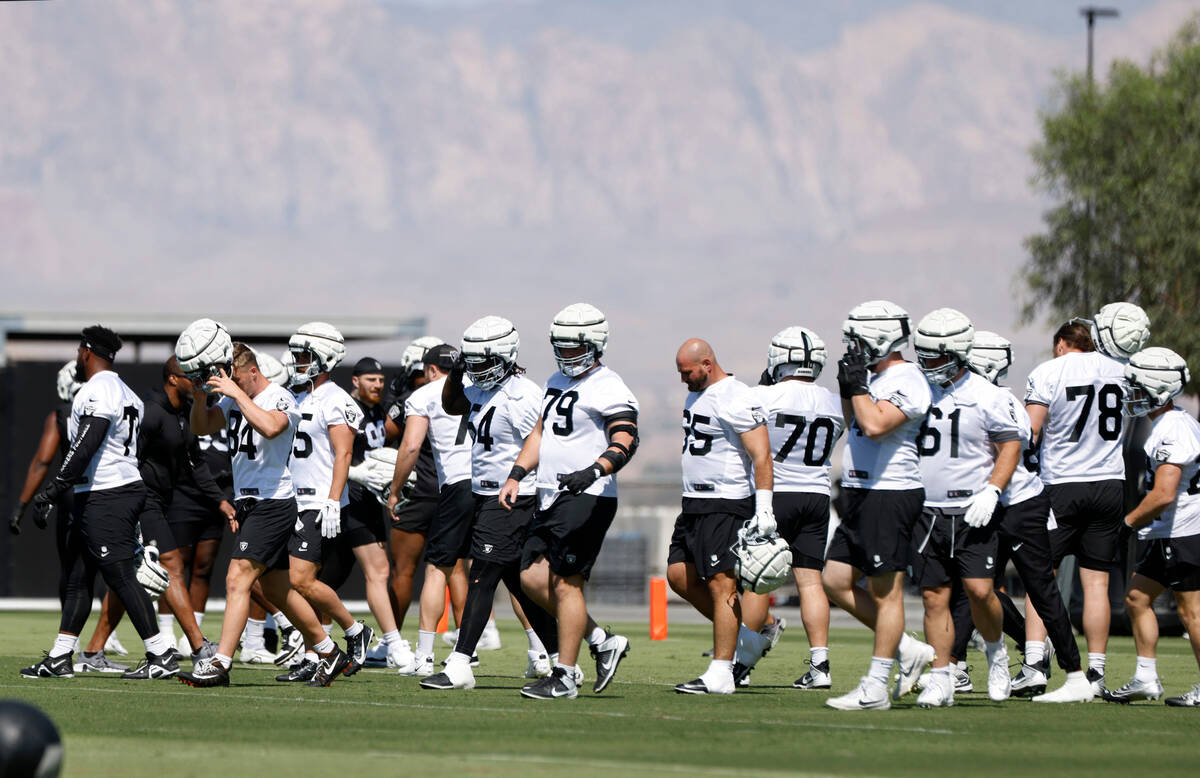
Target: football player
point(1167, 519)
point(969, 448)
point(884, 400)
point(261, 418)
point(501, 407)
point(321, 453)
point(1074, 404)
point(450, 534)
point(586, 433)
point(727, 483)
point(101, 468)
point(803, 421)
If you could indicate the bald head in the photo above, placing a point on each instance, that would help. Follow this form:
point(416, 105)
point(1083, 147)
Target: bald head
point(697, 365)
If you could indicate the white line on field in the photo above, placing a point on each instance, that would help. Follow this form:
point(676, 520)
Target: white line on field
point(559, 711)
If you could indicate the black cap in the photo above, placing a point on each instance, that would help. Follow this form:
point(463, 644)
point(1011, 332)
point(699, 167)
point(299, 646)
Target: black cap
point(368, 366)
point(443, 356)
point(101, 341)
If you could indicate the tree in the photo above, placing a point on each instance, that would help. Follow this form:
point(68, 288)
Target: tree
point(1122, 161)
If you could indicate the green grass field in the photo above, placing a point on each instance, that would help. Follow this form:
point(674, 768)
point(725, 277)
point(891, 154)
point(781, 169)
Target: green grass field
point(379, 723)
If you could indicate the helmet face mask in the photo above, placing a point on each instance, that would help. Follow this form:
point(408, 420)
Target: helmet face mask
point(939, 367)
point(66, 384)
point(571, 361)
point(578, 325)
point(944, 341)
point(489, 351)
point(485, 372)
point(991, 356)
point(316, 348)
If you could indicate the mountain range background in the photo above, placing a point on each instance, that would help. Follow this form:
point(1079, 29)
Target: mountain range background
point(705, 168)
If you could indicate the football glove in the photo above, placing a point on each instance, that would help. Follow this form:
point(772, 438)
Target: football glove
point(151, 575)
point(372, 474)
point(330, 519)
point(763, 524)
point(14, 523)
point(852, 374)
point(45, 501)
point(982, 506)
point(580, 480)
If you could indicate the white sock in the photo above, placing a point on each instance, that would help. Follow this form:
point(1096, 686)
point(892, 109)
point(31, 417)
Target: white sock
point(942, 675)
point(491, 625)
point(354, 629)
point(64, 644)
point(720, 670)
point(281, 621)
point(597, 636)
point(391, 639)
point(311, 656)
point(1147, 669)
point(881, 669)
point(252, 638)
point(159, 643)
point(995, 650)
point(1076, 675)
point(940, 671)
point(458, 656)
point(961, 665)
point(818, 654)
point(535, 643)
point(325, 646)
point(328, 628)
point(1035, 651)
point(166, 624)
point(224, 661)
point(425, 642)
point(568, 674)
point(1096, 662)
point(199, 617)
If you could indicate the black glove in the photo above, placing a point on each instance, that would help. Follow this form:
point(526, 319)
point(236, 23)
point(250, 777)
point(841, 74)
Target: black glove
point(766, 379)
point(852, 374)
point(577, 482)
point(14, 523)
point(45, 501)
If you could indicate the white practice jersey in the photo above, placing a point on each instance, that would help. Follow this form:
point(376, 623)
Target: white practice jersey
point(1175, 439)
point(715, 463)
point(260, 465)
point(106, 396)
point(499, 421)
point(804, 421)
point(447, 434)
point(1081, 439)
point(956, 444)
point(1025, 483)
point(312, 452)
point(573, 427)
point(891, 463)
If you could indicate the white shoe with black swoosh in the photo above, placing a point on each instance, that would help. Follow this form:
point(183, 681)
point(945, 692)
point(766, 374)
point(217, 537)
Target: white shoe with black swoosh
point(870, 694)
point(911, 662)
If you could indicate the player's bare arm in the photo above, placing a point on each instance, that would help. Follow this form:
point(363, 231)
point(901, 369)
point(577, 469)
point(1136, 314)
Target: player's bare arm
point(341, 440)
point(1008, 456)
point(454, 400)
point(39, 466)
point(1158, 499)
point(758, 446)
point(877, 420)
point(204, 420)
point(268, 423)
point(527, 460)
point(415, 428)
point(1037, 418)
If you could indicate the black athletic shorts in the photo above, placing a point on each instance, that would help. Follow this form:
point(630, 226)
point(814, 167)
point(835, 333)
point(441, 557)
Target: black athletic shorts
point(706, 531)
point(569, 533)
point(1089, 517)
point(1172, 562)
point(449, 538)
point(499, 533)
point(803, 519)
point(153, 520)
point(306, 542)
point(108, 518)
point(189, 533)
point(416, 515)
point(362, 522)
point(264, 528)
point(876, 529)
point(945, 548)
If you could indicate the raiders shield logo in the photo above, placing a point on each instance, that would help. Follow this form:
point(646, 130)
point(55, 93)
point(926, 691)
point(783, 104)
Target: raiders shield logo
point(282, 404)
point(487, 548)
point(243, 545)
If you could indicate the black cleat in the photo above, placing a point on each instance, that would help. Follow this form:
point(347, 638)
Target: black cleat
point(51, 667)
point(300, 672)
point(741, 674)
point(207, 672)
point(552, 687)
point(155, 666)
point(608, 655)
point(329, 668)
point(291, 645)
point(356, 649)
point(817, 677)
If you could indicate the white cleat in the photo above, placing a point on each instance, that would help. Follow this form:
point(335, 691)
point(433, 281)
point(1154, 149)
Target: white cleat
point(402, 658)
point(455, 675)
point(113, 646)
point(870, 694)
point(910, 663)
point(422, 667)
point(1077, 688)
point(1136, 689)
point(254, 656)
point(539, 665)
point(490, 639)
point(938, 692)
point(703, 685)
point(999, 681)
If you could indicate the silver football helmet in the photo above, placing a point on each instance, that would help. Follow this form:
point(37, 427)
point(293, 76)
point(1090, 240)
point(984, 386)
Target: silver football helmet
point(489, 350)
point(203, 349)
point(1120, 330)
point(796, 351)
point(761, 564)
point(1152, 377)
point(414, 354)
point(288, 363)
point(991, 356)
point(579, 324)
point(67, 386)
point(876, 328)
point(944, 333)
point(318, 343)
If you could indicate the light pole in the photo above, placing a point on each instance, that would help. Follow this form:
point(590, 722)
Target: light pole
point(1090, 13)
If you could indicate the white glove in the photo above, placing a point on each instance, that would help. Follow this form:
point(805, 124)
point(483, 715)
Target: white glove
point(151, 575)
point(371, 474)
point(982, 506)
point(763, 523)
point(330, 519)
